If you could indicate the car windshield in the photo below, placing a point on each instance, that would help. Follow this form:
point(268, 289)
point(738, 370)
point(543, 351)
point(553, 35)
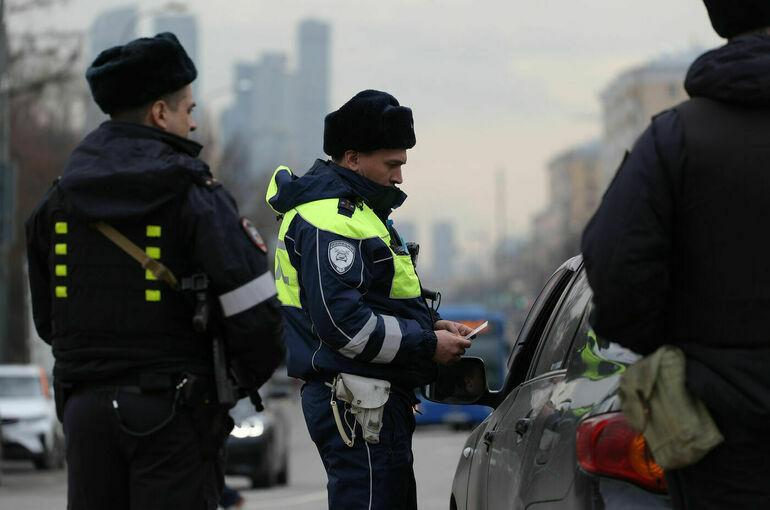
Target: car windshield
point(20, 386)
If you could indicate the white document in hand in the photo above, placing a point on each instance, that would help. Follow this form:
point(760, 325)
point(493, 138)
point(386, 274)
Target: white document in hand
point(480, 328)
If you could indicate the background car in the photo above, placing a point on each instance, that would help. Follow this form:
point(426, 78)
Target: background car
point(30, 429)
point(258, 445)
point(556, 437)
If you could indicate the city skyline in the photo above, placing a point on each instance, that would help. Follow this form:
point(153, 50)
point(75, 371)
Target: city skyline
point(506, 86)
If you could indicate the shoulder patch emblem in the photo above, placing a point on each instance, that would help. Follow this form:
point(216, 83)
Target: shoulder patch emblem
point(253, 234)
point(342, 254)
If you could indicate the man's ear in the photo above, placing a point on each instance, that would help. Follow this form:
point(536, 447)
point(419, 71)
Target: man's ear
point(159, 114)
point(350, 160)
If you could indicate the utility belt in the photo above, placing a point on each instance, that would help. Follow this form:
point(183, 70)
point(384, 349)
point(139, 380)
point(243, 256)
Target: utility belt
point(184, 390)
point(364, 398)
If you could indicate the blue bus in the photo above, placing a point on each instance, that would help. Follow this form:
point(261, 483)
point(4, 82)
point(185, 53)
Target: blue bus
point(490, 346)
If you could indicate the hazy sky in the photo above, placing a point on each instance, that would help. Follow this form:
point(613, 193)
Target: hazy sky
point(494, 84)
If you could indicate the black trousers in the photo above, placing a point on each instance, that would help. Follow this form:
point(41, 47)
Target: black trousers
point(734, 475)
point(366, 476)
point(108, 468)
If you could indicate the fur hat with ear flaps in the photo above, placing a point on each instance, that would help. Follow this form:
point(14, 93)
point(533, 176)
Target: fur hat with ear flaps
point(735, 17)
point(371, 120)
point(141, 71)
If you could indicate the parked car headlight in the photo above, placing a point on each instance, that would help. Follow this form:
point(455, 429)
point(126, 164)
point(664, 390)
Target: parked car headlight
point(32, 419)
point(253, 427)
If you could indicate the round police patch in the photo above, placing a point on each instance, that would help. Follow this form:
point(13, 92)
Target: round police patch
point(253, 234)
point(341, 256)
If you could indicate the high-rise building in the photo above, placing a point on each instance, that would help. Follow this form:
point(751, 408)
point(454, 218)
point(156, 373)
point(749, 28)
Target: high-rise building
point(272, 95)
point(443, 249)
point(277, 114)
point(185, 28)
point(633, 98)
point(407, 230)
point(110, 28)
point(236, 126)
point(312, 89)
point(575, 187)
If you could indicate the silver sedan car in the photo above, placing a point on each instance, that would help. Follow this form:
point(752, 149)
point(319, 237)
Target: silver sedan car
point(30, 429)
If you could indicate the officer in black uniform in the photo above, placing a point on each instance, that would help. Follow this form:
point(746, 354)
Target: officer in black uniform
point(134, 376)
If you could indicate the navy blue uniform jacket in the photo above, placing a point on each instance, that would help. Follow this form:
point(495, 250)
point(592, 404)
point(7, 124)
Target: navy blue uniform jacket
point(349, 321)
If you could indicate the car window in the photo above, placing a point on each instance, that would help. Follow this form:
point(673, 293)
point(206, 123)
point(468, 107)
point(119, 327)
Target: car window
point(20, 386)
point(554, 347)
point(537, 319)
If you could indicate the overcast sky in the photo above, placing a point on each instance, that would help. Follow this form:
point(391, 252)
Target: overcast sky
point(494, 84)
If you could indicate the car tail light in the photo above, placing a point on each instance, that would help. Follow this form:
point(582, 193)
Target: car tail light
point(607, 446)
point(44, 383)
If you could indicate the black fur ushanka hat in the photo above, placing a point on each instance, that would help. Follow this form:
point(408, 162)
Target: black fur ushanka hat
point(371, 120)
point(141, 71)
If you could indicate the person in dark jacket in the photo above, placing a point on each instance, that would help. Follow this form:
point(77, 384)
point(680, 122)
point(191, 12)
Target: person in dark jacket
point(134, 375)
point(676, 253)
point(353, 301)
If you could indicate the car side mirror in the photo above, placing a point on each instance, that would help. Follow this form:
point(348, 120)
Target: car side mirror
point(463, 383)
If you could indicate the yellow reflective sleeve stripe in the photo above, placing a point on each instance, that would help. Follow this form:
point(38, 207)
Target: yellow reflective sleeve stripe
point(272, 188)
point(286, 280)
point(151, 295)
point(60, 248)
point(148, 275)
point(153, 230)
point(153, 252)
point(285, 274)
point(60, 227)
point(61, 291)
point(405, 282)
point(61, 270)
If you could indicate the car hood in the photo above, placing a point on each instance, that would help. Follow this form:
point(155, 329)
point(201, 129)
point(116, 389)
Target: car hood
point(21, 408)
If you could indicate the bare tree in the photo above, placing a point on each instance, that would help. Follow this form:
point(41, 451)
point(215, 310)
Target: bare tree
point(39, 85)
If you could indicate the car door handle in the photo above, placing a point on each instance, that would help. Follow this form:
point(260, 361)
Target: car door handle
point(522, 426)
point(489, 436)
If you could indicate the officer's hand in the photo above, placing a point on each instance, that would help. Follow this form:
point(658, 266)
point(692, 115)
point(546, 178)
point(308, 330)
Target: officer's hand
point(453, 327)
point(449, 347)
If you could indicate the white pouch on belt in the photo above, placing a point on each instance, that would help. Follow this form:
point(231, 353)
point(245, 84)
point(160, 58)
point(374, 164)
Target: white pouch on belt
point(366, 398)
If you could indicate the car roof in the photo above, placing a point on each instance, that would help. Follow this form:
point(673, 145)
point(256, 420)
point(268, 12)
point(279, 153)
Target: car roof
point(19, 370)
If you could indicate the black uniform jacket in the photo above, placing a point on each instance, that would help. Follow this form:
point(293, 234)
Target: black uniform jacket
point(677, 252)
point(104, 315)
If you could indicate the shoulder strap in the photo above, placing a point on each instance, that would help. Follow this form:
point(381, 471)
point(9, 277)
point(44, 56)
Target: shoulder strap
point(160, 271)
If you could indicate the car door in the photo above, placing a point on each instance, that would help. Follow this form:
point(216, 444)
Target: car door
point(516, 437)
point(518, 366)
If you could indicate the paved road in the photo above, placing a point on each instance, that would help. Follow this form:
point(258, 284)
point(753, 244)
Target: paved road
point(436, 453)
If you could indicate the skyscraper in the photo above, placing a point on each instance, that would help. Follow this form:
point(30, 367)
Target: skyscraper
point(110, 28)
point(631, 99)
point(271, 91)
point(185, 27)
point(443, 249)
point(278, 114)
point(312, 89)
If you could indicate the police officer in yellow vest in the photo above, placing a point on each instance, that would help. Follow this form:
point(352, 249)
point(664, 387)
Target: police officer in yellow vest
point(353, 303)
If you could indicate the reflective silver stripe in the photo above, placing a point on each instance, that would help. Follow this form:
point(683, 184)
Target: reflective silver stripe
point(369, 456)
point(279, 274)
point(391, 342)
point(358, 343)
point(281, 244)
point(251, 294)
